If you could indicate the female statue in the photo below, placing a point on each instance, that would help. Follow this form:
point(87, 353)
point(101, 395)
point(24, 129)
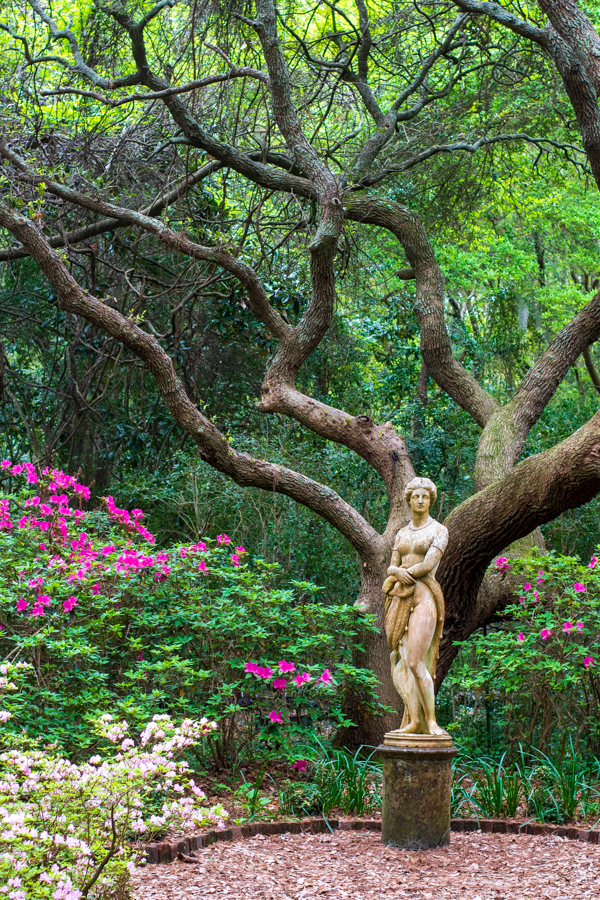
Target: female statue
point(414, 609)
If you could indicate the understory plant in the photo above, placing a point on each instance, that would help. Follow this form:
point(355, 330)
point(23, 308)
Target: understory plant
point(109, 622)
point(534, 678)
point(70, 831)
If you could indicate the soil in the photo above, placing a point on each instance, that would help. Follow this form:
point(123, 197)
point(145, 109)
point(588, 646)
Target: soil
point(356, 866)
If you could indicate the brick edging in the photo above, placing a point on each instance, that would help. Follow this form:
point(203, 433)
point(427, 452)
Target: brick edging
point(167, 852)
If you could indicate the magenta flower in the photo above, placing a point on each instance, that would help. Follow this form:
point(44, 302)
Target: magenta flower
point(579, 587)
point(588, 661)
point(22, 604)
point(235, 559)
point(95, 589)
point(44, 599)
point(502, 564)
point(526, 586)
point(263, 672)
point(592, 562)
point(38, 610)
point(545, 633)
point(536, 595)
point(201, 546)
point(70, 604)
point(202, 566)
point(302, 679)
point(579, 626)
point(567, 627)
point(275, 717)
point(280, 684)
point(223, 539)
point(141, 656)
point(521, 637)
point(286, 666)
point(239, 550)
point(250, 667)
point(326, 677)
point(300, 765)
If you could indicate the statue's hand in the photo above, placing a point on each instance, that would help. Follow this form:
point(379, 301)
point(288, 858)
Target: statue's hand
point(404, 577)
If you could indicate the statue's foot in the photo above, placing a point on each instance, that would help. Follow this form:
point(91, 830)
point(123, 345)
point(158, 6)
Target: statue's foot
point(411, 728)
point(434, 728)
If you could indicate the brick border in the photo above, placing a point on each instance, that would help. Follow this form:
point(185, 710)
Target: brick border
point(167, 852)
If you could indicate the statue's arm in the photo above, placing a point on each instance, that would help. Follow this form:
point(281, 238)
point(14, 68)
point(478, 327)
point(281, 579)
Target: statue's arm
point(432, 558)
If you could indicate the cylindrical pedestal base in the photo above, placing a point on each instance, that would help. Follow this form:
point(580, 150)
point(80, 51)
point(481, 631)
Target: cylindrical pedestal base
point(416, 794)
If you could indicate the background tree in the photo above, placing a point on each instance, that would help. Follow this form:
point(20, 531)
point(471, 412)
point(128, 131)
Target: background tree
point(323, 125)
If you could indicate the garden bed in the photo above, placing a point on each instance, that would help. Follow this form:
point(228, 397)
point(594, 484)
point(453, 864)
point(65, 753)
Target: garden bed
point(354, 865)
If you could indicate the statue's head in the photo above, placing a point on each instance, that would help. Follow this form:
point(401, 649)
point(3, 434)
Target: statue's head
point(424, 489)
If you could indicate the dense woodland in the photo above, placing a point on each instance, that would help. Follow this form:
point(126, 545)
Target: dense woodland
point(262, 261)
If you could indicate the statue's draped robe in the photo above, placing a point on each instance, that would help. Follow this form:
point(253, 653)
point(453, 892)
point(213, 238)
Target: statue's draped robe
point(399, 603)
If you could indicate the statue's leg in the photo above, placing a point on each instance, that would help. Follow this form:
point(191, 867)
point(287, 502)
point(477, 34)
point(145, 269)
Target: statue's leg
point(421, 629)
point(409, 693)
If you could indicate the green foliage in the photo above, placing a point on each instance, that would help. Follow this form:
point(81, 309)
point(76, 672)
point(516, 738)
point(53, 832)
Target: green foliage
point(536, 673)
point(169, 630)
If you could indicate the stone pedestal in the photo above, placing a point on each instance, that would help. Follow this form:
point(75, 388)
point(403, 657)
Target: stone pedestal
point(417, 776)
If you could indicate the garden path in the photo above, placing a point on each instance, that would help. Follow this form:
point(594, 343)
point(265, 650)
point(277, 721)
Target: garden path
point(356, 866)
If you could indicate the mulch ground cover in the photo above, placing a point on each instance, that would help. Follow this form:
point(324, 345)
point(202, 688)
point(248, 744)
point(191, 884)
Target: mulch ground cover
point(356, 866)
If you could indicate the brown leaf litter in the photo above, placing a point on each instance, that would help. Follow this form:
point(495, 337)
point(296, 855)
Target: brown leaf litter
point(356, 866)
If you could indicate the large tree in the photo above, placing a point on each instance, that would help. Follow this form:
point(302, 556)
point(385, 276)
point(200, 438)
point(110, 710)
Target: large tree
point(322, 115)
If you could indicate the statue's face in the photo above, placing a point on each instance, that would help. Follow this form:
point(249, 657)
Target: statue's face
point(420, 500)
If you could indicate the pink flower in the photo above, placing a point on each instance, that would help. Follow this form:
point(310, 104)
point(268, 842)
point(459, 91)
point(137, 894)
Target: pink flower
point(326, 677)
point(275, 716)
point(502, 564)
point(201, 546)
point(579, 587)
point(223, 539)
point(202, 566)
point(540, 574)
point(588, 661)
point(546, 632)
point(526, 586)
point(263, 672)
point(70, 604)
point(5, 464)
point(579, 626)
point(567, 627)
point(239, 550)
point(302, 679)
point(37, 610)
point(235, 559)
point(592, 562)
point(280, 684)
point(300, 765)
point(536, 595)
point(141, 656)
point(521, 637)
point(44, 599)
point(95, 589)
point(250, 667)
point(286, 666)
point(22, 604)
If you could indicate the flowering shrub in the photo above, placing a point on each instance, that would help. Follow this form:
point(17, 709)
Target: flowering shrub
point(64, 828)
point(110, 622)
point(539, 669)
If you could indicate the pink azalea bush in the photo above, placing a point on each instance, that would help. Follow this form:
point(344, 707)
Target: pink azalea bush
point(113, 623)
point(537, 669)
point(72, 830)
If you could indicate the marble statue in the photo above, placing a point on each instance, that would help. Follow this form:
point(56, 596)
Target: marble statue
point(414, 609)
